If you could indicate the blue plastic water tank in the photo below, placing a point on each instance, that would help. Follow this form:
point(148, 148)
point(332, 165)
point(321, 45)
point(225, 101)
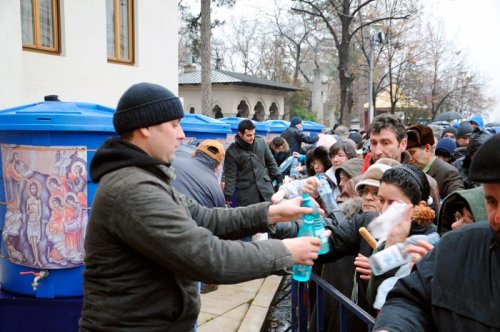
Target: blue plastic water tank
point(203, 127)
point(260, 129)
point(275, 128)
point(312, 127)
point(42, 125)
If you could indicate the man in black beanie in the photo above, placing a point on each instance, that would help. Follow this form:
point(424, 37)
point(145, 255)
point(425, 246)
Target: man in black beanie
point(456, 287)
point(146, 244)
point(294, 135)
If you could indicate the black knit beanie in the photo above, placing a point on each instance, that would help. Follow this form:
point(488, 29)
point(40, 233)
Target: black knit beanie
point(144, 105)
point(485, 166)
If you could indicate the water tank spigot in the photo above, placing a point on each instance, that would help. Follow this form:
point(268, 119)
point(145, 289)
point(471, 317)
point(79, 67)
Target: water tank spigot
point(38, 276)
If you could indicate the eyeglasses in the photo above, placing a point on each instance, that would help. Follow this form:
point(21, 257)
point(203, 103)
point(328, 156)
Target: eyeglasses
point(365, 192)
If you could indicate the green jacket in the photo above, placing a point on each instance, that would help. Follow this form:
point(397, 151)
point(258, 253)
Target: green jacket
point(146, 245)
point(473, 199)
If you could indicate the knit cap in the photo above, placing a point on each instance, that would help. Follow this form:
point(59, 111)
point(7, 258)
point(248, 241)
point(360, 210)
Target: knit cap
point(450, 130)
point(447, 145)
point(144, 105)
point(295, 121)
point(351, 167)
point(485, 166)
point(356, 137)
point(464, 129)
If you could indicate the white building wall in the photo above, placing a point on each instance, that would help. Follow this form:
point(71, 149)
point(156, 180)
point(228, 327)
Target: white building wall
point(81, 72)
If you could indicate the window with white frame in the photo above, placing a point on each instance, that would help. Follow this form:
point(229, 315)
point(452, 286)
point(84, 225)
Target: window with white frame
point(120, 30)
point(40, 25)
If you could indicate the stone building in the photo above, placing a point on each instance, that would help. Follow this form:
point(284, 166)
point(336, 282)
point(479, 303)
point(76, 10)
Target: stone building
point(235, 94)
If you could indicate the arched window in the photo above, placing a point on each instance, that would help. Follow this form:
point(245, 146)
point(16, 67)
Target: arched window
point(259, 114)
point(217, 112)
point(191, 110)
point(273, 112)
point(243, 110)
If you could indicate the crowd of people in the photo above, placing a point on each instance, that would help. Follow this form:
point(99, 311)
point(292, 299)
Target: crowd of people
point(161, 221)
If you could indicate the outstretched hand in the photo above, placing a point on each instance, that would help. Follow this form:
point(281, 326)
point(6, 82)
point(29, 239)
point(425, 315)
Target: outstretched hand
point(304, 249)
point(287, 210)
point(311, 186)
point(400, 232)
point(417, 252)
point(278, 197)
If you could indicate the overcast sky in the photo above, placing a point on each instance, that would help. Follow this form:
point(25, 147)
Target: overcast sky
point(474, 25)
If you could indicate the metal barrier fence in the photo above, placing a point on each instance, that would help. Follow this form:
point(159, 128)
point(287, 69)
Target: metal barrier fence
point(301, 306)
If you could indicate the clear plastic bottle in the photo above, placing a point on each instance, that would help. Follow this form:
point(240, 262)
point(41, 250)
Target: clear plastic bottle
point(293, 168)
point(318, 224)
point(326, 193)
point(303, 272)
point(287, 163)
point(395, 255)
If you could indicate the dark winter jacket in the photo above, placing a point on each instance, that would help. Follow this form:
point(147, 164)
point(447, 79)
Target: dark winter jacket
point(146, 245)
point(249, 169)
point(446, 176)
point(295, 137)
point(196, 179)
point(456, 287)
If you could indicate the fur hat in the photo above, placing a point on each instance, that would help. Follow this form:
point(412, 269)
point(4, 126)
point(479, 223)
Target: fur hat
point(295, 121)
point(144, 105)
point(447, 145)
point(419, 135)
point(485, 166)
point(212, 148)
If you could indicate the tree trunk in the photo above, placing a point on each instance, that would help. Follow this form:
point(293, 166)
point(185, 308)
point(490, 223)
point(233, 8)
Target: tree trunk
point(206, 57)
point(345, 79)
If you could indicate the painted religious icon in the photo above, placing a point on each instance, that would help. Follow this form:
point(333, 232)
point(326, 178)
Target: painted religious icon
point(46, 194)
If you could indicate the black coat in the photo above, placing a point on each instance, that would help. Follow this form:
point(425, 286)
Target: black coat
point(295, 137)
point(249, 169)
point(456, 287)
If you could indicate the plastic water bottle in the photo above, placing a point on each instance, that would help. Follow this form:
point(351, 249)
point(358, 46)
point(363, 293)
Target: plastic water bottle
point(318, 224)
point(293, 168)
point(395, 255)
point(303, 272)
point(286, 164)
point(326, 193)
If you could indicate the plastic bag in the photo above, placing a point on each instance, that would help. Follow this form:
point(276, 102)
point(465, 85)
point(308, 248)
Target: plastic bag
point(392, 216)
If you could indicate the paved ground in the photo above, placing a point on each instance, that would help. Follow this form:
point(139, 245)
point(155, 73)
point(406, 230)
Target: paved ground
point(241, 307)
